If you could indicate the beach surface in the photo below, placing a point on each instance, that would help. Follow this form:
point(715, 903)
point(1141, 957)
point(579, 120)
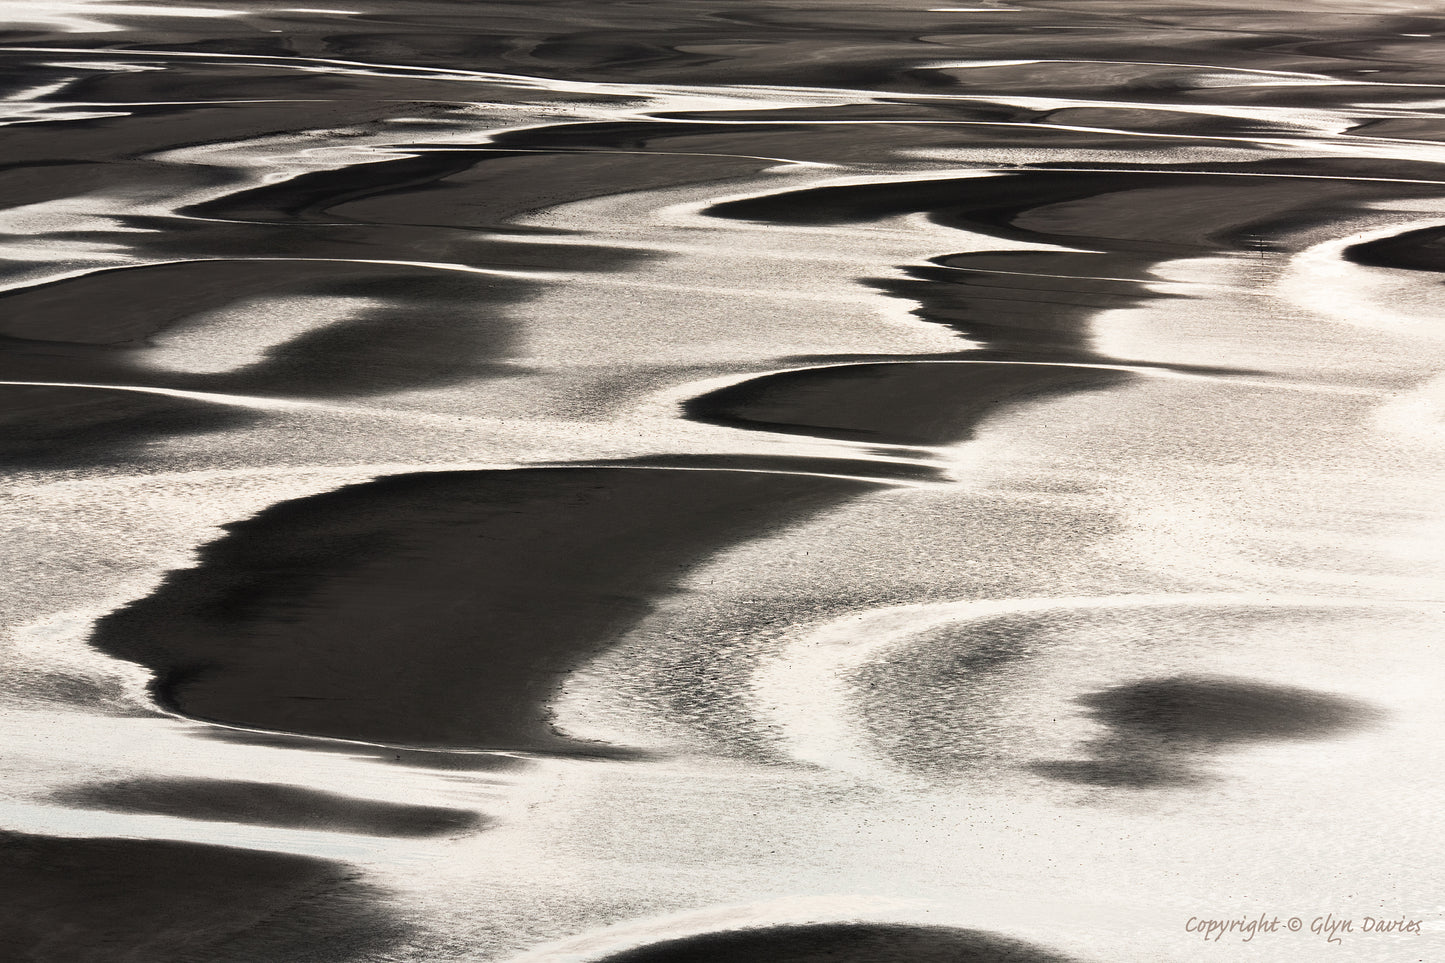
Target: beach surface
point(793, 480)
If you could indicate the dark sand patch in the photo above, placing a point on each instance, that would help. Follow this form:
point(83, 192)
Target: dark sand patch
point(314, 194)
point(147, 901)
point(119, 306)
point(842, 943)
point(511, 184)
point(1152, 213)
point(522, 171)
point(852, 45)
point(828, 134)
point(35, 183)
point(421, 328)
point(52, 427)
point(268, 804)
point(899, 403)
point(989, 204)
point(801, 464)
point(426, 328)
point(129, 304)
point(1124, 768)
point(525, 248)
point(1162, 730)
point(1419, 250)
point(312, 103)
point(1024, 304)
point(1218, 710)
point(438, 609)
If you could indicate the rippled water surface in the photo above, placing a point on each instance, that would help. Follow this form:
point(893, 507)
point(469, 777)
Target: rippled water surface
point(658, 481)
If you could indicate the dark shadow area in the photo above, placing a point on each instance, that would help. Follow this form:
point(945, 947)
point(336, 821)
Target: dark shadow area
point(428, 326)
point(60, 427)
point(438, 610)
point(842, 943)
point(423, 328)
point(1032, 305)
point(780, 43)
point(501, 187)
point(987, 205)
point(268, 804)
point(852, 467)
point(1124, 767)
point(1421, 250)
point(337, 241)
point(127, 305)
point(898, 403)
point(427, 329)
point(1162, 730)
point(1216, 711)
point(147, 901)
point(1150, 214)
point(481, 186)
point(313, 194)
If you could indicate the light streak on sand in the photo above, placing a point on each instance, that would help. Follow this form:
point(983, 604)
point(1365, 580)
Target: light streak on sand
point(57, 821)
point(429, 265)
point(210, 397)
point(81, 16)
point(1265, 175)
point(736, 93)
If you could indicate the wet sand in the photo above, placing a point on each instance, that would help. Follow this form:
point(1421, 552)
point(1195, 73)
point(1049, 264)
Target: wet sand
point(908, 403)
point(100, 426)
point(262, 803)
point(1162, 730)
point(439, 609)
point(1413, 250)
point(138, 901)
point(666, 331)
